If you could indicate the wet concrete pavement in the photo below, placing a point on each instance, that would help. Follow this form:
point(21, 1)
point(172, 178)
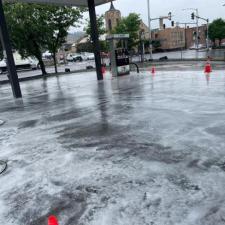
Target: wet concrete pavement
point(78, 66)
point(81, 67)
point(140, 149)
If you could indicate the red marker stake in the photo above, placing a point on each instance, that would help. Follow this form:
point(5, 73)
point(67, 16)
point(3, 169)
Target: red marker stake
point(208, 68)
point(52, 220)
point(153, 70)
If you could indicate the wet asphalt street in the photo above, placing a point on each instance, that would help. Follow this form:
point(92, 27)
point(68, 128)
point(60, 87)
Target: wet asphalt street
point(139, 149)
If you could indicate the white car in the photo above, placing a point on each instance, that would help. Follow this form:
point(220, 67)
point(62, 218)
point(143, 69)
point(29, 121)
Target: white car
point(90, 56)
point(46, 55)
point(21, 64)
point(200, 46)
point(76, 57)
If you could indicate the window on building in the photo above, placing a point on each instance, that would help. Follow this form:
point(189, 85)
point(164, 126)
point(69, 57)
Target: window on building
point(110, 24)
point(117, 21)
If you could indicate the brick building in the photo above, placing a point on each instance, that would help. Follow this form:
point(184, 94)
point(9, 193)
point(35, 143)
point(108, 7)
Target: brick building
point(191, 36)
point(112, 18)
point(170, 38)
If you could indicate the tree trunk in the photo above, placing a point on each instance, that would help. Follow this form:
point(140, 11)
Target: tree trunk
point(42, 66)
point(38, 55)
point(55, 63)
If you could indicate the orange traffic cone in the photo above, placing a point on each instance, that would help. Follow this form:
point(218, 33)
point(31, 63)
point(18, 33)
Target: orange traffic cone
point(153, 70)
point(52, 220)
point(208, 68)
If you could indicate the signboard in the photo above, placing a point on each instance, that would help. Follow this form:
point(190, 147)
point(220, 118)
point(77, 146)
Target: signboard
point(122, 61)
point(118, 36)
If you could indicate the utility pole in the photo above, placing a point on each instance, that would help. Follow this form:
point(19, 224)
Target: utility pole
point(185, 31)
point(207, 30)
point(197, 17)
point(150, 31)
point(197, 27)
point(149, 25)
point(6, 44)
point(207, 35)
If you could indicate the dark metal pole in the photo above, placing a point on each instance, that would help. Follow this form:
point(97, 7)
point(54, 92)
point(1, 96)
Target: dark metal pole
point(95, 38)
point(4, 37)
point(185, 33)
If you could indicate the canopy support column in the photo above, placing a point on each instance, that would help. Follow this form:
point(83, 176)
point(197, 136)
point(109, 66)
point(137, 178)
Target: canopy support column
point(95, 38)
point(7, 48)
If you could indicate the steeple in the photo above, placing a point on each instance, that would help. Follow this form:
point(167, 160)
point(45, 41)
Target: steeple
point(112, 8)
point(112, 17)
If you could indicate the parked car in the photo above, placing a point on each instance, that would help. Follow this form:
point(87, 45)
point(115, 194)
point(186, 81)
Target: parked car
point(29, 63)
point(200, 46)
point(78, 58)
point(75, 58)
point(90, 56)
point(47, 55)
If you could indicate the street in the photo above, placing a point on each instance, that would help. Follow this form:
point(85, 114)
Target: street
point(188, 55)
point(139, 149)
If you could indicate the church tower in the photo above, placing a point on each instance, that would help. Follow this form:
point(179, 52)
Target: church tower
point(112, 18)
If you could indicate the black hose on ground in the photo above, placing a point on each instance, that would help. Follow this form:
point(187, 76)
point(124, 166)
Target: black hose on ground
point(4, 166)
point(136, 66)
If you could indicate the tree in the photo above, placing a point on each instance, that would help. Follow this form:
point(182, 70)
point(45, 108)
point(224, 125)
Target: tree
point(129, 25)
point(59, 19)
point(100, 25)
point(156, 44)
point(88, 47)
point(27, 29)
point(35, 28)
point(217, 30)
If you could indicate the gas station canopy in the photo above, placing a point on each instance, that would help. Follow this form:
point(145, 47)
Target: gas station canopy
point(78, 3)
point(5, 40)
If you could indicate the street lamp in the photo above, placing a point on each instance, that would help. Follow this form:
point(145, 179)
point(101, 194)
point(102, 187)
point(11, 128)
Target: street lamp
point(197, 30)
point(149, 26)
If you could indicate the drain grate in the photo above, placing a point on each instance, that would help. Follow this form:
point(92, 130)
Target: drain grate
point(2, 122)
point(3, 166)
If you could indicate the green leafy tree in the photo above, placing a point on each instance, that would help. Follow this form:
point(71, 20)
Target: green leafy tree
point(156, 44)
point(59, 19)
point(35, 28)
point(129, 25)
point(88, 47)
point(27, 30)
point(100, 24)
point(217, 30)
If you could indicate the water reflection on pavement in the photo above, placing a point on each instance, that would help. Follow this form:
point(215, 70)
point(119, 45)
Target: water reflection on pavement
point(139, 149)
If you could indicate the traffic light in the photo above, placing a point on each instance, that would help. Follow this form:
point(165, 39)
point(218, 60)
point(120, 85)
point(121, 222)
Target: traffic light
point(192, 16)
point(169, 16)
point(172, 23)
point(164, 26)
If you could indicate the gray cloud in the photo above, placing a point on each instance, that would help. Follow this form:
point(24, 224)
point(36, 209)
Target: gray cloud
point(211, 9)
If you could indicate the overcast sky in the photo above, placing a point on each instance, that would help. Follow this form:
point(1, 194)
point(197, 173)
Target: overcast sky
point(211, 9)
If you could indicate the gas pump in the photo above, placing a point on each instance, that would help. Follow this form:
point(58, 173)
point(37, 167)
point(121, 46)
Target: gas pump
point(119, 57)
